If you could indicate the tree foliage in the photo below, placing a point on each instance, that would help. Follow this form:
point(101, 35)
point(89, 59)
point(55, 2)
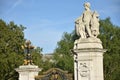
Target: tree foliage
point(110, 36)
point(38, 60)
point(11, 53)
point(37, 57)
point(62, 54)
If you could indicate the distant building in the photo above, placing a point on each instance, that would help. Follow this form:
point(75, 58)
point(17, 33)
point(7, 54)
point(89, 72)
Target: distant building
point(48, 57)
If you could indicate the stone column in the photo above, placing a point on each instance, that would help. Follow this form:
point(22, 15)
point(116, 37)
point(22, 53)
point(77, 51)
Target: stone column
point(88, 57)
point(28, 72)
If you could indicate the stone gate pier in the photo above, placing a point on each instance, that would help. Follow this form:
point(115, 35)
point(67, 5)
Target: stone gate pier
point(88, 50)
point(28, 70)
point(88, 57)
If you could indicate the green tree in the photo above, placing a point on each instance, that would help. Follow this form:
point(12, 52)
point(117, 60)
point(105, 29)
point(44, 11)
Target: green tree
point(110, 36)
point(38, 60)
point(37, 56)
point(11, 53)
point(62, 54)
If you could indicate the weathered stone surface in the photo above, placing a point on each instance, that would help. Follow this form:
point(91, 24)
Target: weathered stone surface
point(86, 43)
point(88, 64)
point(28, 72)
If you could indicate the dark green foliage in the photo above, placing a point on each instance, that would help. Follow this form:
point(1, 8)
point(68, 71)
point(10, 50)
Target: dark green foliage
point(110, 36)
point(37, 56)
point(11, 53)
point(11, 37)
point(8, 63)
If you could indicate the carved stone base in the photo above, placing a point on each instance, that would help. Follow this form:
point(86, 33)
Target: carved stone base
point(88, 57)
point(28, 72)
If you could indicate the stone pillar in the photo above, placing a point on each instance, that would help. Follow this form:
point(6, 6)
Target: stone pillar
point(28, 72)
point(88, 57)
point(88, 50)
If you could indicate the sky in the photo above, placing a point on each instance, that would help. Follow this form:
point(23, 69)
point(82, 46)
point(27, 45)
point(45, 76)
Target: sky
point(47, 20)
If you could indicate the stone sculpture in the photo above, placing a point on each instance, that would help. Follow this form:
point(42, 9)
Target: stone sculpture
point(87, 25)
point(88, 50)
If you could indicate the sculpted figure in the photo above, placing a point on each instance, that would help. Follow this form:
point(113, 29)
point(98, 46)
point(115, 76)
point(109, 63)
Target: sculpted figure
point(87, 15)
point(87, 25)
point(95, 24)
point(79, 28)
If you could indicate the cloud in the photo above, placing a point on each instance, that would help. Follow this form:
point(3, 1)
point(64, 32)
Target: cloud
point(16, 3)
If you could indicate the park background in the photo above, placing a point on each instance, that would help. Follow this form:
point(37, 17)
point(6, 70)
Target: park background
point(50, 27)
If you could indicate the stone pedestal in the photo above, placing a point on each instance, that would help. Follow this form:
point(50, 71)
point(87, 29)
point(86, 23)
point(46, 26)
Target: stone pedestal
point(88, 57)
point(28, 72)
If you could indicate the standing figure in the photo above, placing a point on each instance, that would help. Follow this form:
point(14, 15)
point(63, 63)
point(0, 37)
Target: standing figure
point(87, 15)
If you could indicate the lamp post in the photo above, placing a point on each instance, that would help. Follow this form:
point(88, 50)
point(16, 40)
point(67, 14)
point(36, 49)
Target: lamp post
point(28, 57)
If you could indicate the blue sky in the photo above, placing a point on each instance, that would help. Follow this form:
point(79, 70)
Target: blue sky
point(46, 20)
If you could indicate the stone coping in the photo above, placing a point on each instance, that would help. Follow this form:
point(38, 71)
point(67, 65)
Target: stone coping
point(28, 68)
point(89, 50)
point(88, 43)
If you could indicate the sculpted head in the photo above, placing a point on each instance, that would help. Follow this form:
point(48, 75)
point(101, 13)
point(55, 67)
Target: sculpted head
point(87, 5)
